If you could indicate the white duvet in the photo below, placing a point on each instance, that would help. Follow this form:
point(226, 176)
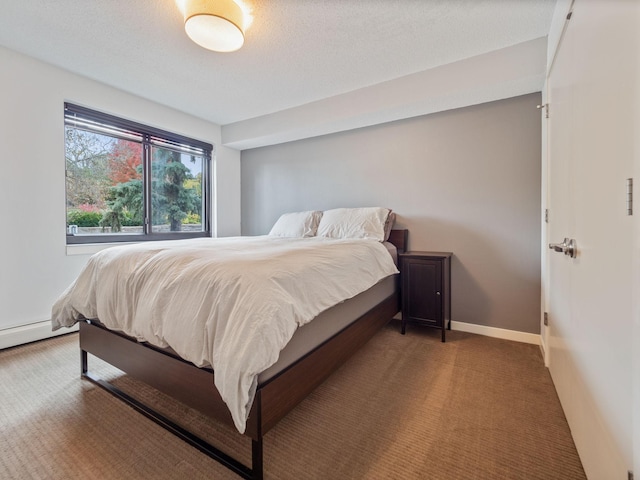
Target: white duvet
point(229, 303)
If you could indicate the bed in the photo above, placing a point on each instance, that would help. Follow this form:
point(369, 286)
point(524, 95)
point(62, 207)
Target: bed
point(300, 367)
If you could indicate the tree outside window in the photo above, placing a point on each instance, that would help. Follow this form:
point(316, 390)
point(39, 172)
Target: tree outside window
point(124, 182)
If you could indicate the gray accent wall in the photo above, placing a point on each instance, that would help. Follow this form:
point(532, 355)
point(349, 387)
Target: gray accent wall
point(465, 180)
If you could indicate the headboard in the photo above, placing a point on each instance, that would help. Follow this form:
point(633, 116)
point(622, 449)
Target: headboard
point(399, 239)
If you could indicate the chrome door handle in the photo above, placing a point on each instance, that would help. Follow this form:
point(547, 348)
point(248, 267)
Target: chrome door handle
point(568, 247)
point(558, 247)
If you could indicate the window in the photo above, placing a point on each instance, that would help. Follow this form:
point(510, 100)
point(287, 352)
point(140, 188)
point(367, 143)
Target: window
point(130, 182)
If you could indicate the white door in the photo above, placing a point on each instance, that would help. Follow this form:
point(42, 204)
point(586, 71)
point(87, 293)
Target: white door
point(591, 139)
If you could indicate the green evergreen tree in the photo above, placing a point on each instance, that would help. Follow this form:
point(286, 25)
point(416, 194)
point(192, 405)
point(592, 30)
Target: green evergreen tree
point(125, 202)
point(171, 200)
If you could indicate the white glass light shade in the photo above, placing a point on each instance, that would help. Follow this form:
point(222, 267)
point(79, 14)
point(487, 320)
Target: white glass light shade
point(214, 24)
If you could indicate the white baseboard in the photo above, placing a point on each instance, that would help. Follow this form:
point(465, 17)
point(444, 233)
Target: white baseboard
point(514, 335)
point(543, 349)
point(12, 337)
point(523, 337)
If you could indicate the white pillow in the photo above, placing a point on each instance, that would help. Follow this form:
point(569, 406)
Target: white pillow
point(296, 224)
point(366, 222)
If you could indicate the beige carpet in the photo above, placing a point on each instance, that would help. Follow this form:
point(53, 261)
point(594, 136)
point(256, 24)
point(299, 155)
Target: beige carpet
point(404, 407)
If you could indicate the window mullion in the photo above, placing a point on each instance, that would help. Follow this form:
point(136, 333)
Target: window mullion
point(146, 162)
point(207, 191)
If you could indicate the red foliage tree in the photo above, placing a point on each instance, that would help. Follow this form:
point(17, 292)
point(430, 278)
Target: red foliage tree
point(124, 160)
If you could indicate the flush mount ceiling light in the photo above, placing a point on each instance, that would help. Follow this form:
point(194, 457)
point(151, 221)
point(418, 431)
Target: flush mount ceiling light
point(214, 24)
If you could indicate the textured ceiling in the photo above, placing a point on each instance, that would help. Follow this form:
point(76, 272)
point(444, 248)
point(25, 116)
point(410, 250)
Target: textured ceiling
point(295, 52)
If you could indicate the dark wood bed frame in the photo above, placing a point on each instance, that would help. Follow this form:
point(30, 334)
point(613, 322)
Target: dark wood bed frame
point(194, 386)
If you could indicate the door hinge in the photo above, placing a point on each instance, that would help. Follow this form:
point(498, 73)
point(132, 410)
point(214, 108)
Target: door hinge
point(546, 215)
point(544, 106)
point(629, 196)
point(546, 319)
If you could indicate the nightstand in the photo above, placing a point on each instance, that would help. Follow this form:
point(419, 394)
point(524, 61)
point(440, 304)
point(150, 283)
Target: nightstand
point(426, 289)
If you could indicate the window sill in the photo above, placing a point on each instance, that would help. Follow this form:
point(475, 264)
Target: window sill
point(91, 248)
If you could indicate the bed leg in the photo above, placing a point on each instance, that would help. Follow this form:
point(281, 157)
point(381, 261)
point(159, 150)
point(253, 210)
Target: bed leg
point(256, 459)
point(84, 364)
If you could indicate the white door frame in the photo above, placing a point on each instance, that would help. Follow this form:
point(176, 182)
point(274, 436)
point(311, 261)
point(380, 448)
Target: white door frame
point(556, 33)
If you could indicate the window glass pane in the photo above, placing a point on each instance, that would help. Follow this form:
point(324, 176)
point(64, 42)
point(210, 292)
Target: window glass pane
point(176, 191)
point(104, 183)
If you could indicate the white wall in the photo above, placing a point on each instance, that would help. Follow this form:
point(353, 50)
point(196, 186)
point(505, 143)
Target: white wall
point(35, 267)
